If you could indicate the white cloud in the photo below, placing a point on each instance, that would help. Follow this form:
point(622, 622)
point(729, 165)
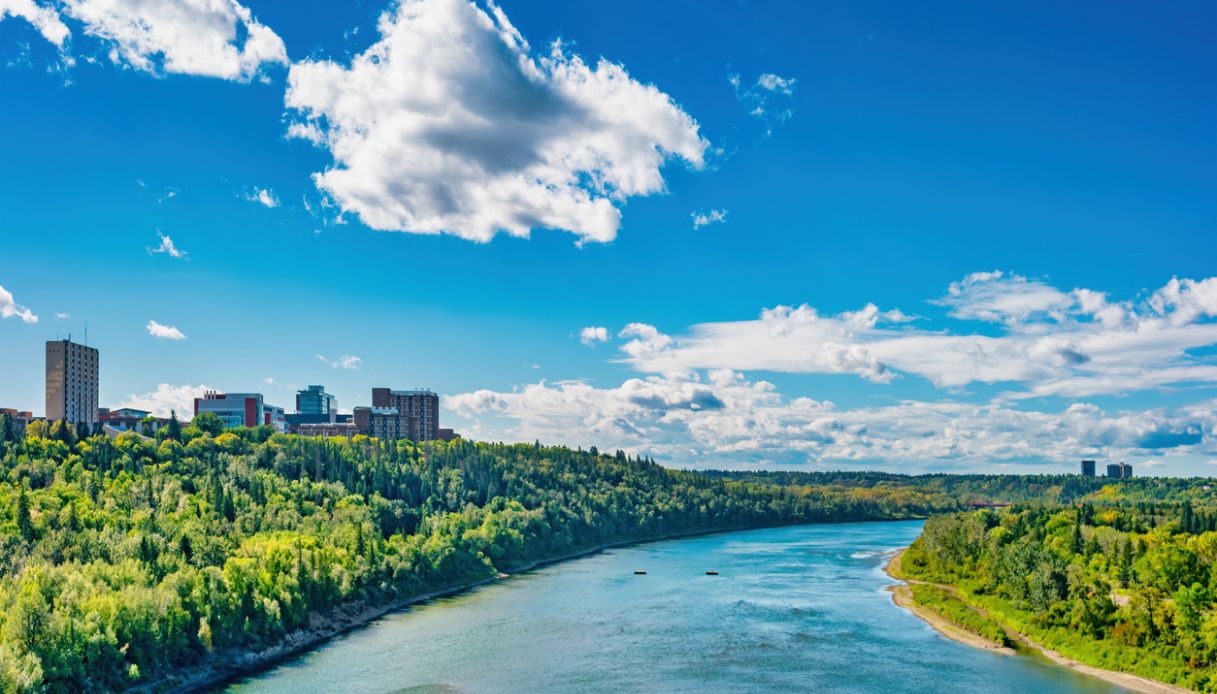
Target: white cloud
point(701, 219)
point(767, 99)
point(1055, 343)
point(268, 381)
point(591, 335)
point(346, 361)
point(62, 316)
point(1001, 297)
point(167, 247)
point(450, 123)
point(45, 19)
point(10, 308)
point(1184, 301)
point(167, 398)
point(773, 83)
point(166, 332)
point(212, 38)
point(263, 196)
point(721, 418)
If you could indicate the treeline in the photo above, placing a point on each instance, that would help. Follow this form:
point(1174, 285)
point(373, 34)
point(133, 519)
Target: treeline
point(125, 559)
point(1051, 490)
point(1126, 587)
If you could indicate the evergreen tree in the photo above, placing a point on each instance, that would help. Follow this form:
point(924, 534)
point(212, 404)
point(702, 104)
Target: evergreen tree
point(173, 430)
point(25, 524)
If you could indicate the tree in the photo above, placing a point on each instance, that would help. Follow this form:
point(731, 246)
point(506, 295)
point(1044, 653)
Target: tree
point(208, 423)
point(25, 524)
point(8, 431)
point(174, 429)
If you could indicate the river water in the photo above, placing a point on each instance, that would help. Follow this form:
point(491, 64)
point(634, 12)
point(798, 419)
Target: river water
point(792, 609)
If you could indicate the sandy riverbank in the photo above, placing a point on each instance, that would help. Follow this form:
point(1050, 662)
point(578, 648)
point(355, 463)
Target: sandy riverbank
point(902, 597)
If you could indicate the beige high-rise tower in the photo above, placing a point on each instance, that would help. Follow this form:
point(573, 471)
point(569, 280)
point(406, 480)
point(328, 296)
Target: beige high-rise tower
point(71, 382)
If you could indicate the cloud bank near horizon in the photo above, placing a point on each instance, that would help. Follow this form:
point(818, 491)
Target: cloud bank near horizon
point(697, 402)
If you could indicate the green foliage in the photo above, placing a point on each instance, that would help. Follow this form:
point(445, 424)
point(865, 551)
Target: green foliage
point(208, 423)
point(124, 560)
point(943, 603)
point(1124, 587)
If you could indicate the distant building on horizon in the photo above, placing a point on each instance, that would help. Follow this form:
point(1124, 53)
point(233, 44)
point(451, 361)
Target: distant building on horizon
point(20, 418)
point(313, 400)
point(345, 429)
point(1088, 468)
point(130, 419)
point(241, 410)
point(1120, 470)
point(400, 414)
point(71, 382)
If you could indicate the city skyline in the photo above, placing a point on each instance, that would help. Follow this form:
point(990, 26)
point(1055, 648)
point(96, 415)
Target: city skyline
point(774, 236)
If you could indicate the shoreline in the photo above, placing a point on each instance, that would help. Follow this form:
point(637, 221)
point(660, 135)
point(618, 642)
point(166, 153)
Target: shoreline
point(1127, 680)
point(231, 665)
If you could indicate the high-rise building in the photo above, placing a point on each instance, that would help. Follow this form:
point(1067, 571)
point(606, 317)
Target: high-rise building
point(1088, 468)
point(1121, 470)
point(71, 382)
point(315, 401)
point(400, 414)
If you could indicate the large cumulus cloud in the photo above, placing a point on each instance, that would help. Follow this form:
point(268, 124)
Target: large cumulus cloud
point(451, 123)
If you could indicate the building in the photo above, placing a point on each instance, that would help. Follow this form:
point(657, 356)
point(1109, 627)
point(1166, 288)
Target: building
point(448, 435)
point(274, 416)
point(241, 410)
point(71, 382)
point(400, 414)
point(326, 429)
point(1121, 470)
point(20, 418)
point(128, 419)
point(1088, 468)
point(315, 401)
point(295, 421)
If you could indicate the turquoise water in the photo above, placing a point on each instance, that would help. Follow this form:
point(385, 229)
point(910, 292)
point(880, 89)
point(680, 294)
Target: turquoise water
point(799, 608)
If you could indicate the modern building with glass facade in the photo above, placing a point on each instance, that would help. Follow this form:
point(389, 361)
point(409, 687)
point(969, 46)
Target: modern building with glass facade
point(315, 401)
point(241, 410)
point(71, 382)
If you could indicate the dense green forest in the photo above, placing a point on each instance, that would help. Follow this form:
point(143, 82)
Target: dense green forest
point(125, 559)
point(1125, 586)
point(1039, 489)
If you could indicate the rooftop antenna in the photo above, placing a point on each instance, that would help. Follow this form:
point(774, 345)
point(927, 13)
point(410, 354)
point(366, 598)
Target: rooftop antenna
point(86, 333)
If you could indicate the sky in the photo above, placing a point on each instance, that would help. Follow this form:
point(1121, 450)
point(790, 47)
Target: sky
point(949, 236)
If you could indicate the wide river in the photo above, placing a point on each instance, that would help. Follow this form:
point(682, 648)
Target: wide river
point(797, 608)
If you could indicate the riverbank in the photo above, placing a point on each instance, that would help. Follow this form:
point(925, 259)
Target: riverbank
point(901, 596)
point(228, 666)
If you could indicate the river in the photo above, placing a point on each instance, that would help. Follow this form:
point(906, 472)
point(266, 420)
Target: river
point(796, 608)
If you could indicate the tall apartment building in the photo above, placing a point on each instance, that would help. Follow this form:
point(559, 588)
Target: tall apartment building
point(1121, 470)
point(316, 402)
point(1088, 468)
point(71, 382)
point(400, 414)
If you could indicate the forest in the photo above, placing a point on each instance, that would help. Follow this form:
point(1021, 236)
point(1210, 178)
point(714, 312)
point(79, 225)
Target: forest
point(125, 560)
point(1120, 585)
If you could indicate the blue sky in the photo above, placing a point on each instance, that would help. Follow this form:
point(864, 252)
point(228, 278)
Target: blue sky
point(433, 194)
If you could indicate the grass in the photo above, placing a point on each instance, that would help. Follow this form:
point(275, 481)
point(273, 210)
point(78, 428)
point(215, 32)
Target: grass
point(949, 607)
